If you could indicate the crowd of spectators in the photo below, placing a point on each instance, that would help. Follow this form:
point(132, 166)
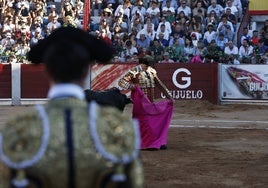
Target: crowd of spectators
point(191, 31)
point(25, 22)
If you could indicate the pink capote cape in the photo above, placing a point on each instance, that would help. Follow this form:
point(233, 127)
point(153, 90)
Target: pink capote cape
point(154, 119)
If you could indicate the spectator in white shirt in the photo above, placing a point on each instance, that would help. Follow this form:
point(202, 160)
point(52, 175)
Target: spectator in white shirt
point(154, 13)
point(54, 24)
point(231, 49)
point(148, 31)
point(173, 3)
point(195, 38)
point(162, 29)
point(138, 15)
point(210, 34)
point(234, 10)
point(216, 7)
point(222, 27)
point(186, 9)
point(140, 8)
point(129, 51)
point(148, 22)
point(168, 7)
point(7, 42)
point(8, 25)
point(123, 9)
point(238, 5)
point(245, 52)
point(167, 25)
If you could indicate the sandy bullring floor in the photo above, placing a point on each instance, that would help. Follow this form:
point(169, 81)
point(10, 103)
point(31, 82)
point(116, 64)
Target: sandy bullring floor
point(208, 146)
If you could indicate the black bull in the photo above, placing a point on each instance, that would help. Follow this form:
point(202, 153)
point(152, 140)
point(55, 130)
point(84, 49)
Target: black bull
point(109, 97)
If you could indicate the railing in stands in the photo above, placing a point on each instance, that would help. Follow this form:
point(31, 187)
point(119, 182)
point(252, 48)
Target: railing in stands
point(245, 22)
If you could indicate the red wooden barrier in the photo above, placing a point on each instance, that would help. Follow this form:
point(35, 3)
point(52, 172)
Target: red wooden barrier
point(5, 81)
point(185, 81)
point(34, 81)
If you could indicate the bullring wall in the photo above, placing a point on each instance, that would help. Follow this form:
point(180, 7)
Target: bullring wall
point(28, 83)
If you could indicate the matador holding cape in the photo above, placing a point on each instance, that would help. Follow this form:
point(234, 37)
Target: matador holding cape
point(154, 117)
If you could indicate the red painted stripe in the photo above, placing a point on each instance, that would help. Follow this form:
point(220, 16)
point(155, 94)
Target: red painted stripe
point(258, 12)
point(106, 77)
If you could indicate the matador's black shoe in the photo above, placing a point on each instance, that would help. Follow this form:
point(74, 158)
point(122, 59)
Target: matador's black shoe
point(163, 147)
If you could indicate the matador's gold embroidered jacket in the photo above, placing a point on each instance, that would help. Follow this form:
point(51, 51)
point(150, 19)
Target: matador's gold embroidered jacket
point(22, 139)
point(147, 80)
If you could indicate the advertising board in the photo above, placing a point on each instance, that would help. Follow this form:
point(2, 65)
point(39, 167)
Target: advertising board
point(185, 81)
point(248, 82)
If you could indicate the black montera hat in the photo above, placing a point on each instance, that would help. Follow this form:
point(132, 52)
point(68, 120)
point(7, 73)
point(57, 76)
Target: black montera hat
point(147, 60)
point(97, 49)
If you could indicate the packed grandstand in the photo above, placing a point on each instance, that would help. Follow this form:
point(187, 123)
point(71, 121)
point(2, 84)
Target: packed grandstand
point(184, 31)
